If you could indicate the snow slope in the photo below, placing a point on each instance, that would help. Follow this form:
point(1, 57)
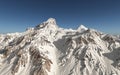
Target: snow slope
point(48, 49)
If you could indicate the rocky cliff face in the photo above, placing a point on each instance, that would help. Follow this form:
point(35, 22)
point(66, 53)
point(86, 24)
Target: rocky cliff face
point(50, 50)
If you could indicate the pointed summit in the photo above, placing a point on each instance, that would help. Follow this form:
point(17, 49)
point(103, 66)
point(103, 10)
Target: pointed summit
point(82, 28)
point(51, 21)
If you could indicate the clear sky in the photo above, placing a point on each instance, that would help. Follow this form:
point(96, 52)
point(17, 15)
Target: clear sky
point(103, 15)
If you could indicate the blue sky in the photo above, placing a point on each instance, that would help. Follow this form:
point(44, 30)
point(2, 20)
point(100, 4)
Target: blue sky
point(103, 15)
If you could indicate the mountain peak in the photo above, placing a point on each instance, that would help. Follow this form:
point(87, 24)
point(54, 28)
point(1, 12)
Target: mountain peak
point(82, 28)
point(51, 21)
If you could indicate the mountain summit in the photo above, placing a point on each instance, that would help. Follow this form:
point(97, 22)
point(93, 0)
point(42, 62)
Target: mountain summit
point(49, 24)
point(50, 50)
point(51, 21)
point(82, 28)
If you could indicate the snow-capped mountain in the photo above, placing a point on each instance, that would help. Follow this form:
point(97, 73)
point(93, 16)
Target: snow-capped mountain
point(48, 49)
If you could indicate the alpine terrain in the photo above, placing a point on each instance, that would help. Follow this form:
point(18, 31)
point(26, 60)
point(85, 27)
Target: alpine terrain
point(48, 49)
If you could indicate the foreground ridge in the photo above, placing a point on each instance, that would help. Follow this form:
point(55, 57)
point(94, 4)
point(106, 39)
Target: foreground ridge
point(48, 49)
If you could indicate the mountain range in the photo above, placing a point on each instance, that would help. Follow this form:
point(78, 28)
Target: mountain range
point(48, 49)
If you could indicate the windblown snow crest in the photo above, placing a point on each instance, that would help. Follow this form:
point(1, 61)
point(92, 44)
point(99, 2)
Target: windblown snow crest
point(50, 50)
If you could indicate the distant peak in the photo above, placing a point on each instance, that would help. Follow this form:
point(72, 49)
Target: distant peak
point(82, 28)
point(51, 21)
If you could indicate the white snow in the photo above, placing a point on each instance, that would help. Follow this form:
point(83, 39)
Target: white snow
point(82, 28)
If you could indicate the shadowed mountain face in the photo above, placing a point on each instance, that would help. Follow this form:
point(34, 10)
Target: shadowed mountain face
point(48, 49)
